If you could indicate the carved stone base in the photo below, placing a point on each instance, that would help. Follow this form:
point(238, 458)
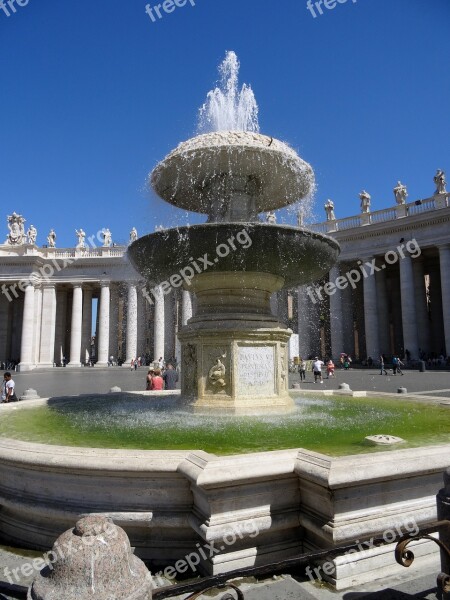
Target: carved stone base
point(234, 351)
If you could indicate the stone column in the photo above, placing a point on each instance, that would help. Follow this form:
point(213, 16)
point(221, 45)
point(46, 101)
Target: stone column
point(186, 314)
point(384, 337)
point(114, 323)
point(4, 326)
point(26, 346)
point(444, 257)
point(437, 321)
point(308, 322)
point(159, 323)
point(186, 308)
point(37, 325)
point(336, 317)
point(48, 327)
point(371, 322)
point(61, 319)
point(410, 337)
point(103, 336)
point(132, 314)
point(76, 326)
point(87, 325)
point(422, 316)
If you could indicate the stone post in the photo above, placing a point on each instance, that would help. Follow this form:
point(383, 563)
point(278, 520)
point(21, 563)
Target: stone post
point(443, 511)
point(371, 322)
point(26, 346)
point(444, 257)
point(48, 327)
point(131, 312)
point(336, 320)
point(408, 300)
point(103, 335)
point(159, 323)
point(76, 326)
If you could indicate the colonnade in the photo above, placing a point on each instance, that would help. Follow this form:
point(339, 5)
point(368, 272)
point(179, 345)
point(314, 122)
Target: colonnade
point(401, 308)
point(50, 324)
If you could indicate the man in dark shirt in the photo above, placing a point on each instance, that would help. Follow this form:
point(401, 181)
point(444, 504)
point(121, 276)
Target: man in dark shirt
point(170, 377)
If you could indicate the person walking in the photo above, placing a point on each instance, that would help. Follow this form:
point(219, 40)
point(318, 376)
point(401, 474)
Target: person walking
point(394, 365)
point(399, 364)
point(170, 377)
point(330, 369)
point(8, 389)
point(302, 369)
point(382, 368)
point(317, 369)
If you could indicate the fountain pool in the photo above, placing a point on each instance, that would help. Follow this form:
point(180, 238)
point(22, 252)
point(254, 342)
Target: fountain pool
point(332, 425)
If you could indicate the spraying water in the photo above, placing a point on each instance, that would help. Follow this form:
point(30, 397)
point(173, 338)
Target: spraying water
point(227, 108)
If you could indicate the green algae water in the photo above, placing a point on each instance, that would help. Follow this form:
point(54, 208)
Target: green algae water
point(330, 425)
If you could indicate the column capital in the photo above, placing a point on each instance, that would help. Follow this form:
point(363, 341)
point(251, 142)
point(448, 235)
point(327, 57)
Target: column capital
point(443, 247)
point(104, 284)
point(76, 284)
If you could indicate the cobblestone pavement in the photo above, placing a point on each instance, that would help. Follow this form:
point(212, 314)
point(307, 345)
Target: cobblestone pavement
point(64, 381)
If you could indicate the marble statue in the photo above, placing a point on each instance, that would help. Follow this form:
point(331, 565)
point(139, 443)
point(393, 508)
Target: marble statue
point(400, 193)
point(365, 201)
point(81, 238)
point(329, 209)
point(107, 238)
point(441, 184)
point(217, 374)
point(133, 235)
point(16, 228)
point(51, 239)
point(300, 218)
point(159, 228)
point(31, 234)
point(271, 218)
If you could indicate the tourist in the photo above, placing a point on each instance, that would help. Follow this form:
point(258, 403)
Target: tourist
point(8, 389)
point(394, 365)
point(330, 369)
point(382, 368)
point(149, 379)
point(157, 381)
point(170, 377)
point(302, 369)
point(161, 362)
point(399, 364)
point(317, 369)
point(132, 364)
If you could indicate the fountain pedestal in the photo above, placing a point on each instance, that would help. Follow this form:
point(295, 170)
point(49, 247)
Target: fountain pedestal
point(234, 350)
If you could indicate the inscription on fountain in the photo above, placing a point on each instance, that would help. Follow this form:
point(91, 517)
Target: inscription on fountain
point(255, 368)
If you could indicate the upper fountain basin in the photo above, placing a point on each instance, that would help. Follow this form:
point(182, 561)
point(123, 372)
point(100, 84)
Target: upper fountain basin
point(229, 165)
point(297, 255)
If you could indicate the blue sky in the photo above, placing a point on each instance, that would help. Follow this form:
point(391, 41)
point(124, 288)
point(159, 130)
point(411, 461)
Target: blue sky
point(93, 94)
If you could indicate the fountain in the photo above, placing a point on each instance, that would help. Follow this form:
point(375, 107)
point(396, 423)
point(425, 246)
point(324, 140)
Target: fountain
point(234, 350)
point(185, 493)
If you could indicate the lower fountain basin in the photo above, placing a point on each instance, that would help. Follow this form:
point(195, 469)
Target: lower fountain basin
point(297, 255)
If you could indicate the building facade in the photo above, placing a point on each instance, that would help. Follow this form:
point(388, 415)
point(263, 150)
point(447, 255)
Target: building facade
point(389, 293)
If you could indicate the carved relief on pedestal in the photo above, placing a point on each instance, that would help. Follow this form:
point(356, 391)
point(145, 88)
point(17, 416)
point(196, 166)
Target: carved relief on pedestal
point(216, 369)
